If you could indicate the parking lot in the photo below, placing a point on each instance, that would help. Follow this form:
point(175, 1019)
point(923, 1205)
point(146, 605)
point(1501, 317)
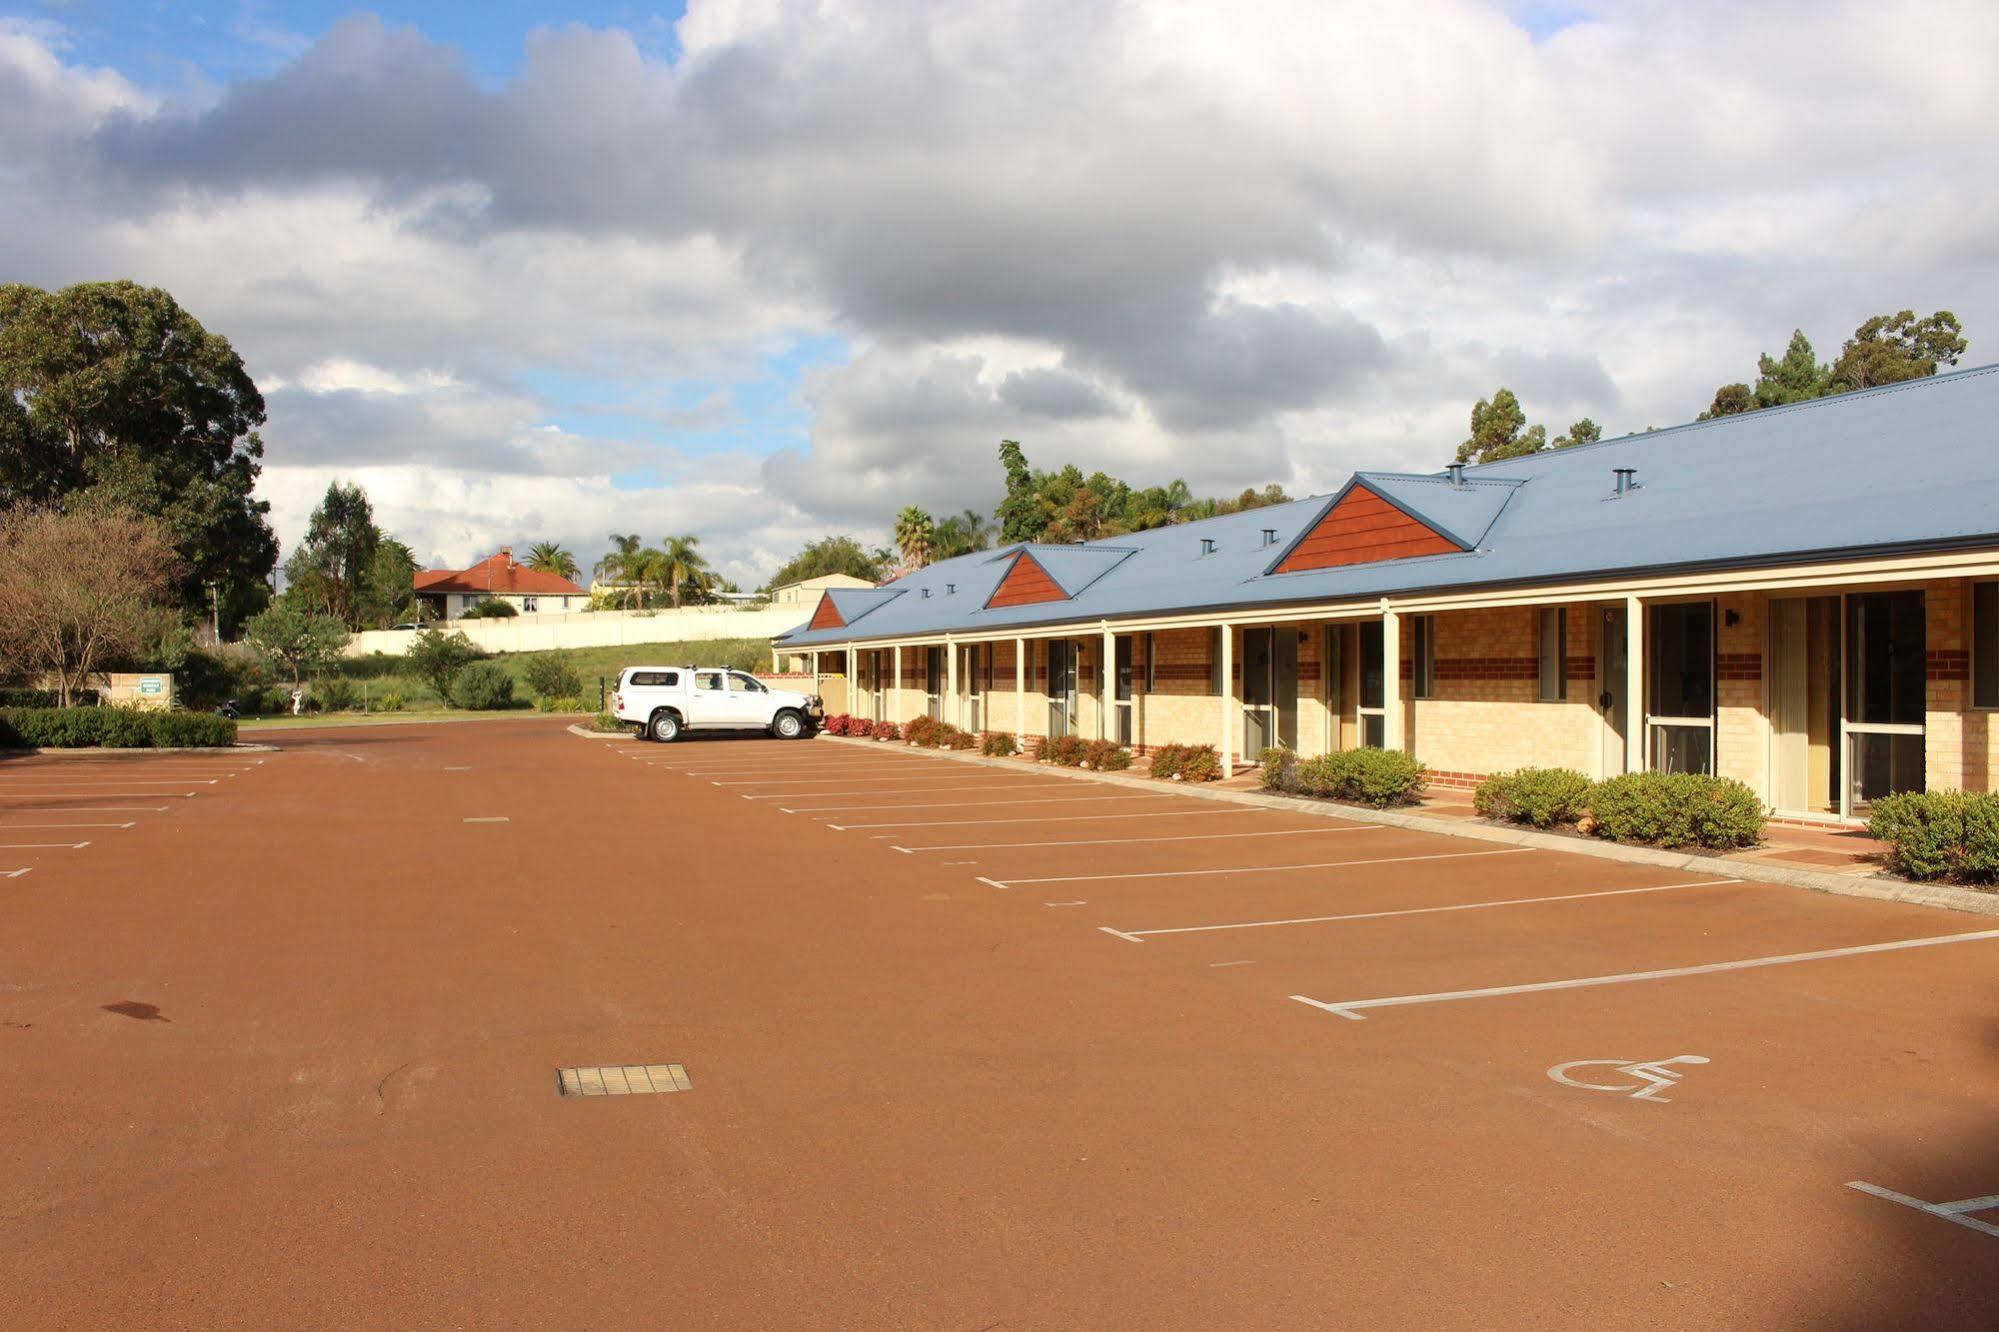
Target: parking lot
point(966, 1045)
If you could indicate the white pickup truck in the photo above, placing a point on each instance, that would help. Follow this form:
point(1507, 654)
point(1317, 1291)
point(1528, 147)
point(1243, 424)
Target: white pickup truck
point(663, 701)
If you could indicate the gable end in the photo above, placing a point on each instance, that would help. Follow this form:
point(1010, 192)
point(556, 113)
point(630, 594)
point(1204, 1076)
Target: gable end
point(1362, 528)
point(1025, 584)
point(828, 615)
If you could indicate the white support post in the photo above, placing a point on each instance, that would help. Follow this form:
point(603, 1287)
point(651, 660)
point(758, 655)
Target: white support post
point(1020, 691)
point(1634, 685)
point(895, 694)
point(1104, 728)
point(1228, 701)
point(774, 670)
point(1391, 677)
point(952, 712)
point(853, 684)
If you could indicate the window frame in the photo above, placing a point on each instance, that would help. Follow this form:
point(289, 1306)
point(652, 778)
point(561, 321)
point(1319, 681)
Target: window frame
point(1557, 619)
point(1423, 657)
point(1984, 654)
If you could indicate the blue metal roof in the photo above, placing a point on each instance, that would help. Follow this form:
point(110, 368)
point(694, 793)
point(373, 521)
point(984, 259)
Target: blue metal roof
point(1905, 466)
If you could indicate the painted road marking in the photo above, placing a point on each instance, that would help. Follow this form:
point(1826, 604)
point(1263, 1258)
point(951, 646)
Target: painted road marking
point(1952, 1212)
point(1078, 902)
point(1128, 841)
point(1138, 936)
point(965, 804)
point(96, 795)
point(5, 824)
point(490, 818)
point(43, 846)
point(130, 781)
point(810, 781)
point(102, 809)
point(1272, 869)
point(902, 790)
point(1652, 1076)
point(1066, 818)
point(12, 874)
point(1347, 1008)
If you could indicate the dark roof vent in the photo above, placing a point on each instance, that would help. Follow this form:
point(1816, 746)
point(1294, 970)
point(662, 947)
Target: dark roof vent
point(1625, 480)
point(1269, 536)
point(1207, 545)
point(926, 593)
point(950, 589)
point(1456, 472)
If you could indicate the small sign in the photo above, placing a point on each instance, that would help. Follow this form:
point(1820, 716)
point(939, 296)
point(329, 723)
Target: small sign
point(151, 684)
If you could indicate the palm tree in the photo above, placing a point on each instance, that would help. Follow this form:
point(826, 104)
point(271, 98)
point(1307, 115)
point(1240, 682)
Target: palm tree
point(549, 557)
point(915, 535)
point(620, 563)
point(680, 563)
point(962, 534)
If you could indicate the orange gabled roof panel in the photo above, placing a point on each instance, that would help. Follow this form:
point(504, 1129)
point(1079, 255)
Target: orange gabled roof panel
point(1026, 584)
point(828, 615)
point(1363, 528)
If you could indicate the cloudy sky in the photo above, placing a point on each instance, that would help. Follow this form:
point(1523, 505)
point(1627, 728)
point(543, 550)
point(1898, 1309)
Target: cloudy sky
point(765, 270)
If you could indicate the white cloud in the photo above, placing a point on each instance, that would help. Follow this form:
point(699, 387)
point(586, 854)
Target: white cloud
point(1266, 240)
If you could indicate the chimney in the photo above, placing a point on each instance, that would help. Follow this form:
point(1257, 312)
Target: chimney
point(1625, 480)
point(1456, 472)
point(507, 554)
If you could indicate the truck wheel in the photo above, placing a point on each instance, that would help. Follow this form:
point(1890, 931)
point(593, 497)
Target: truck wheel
point(787, 725)
point(665, 727)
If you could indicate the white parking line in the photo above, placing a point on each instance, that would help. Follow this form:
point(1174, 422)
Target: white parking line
point(1127, 841)
point(1953, 1212)
point(1139, 936)
point(489, 818)
point(1272, 869)
point(1349, 1008)
point(43, 846)
point(1077, 818)
point(96, 795)
point(787, 781)
point(13, 873)
point(968, 804)
point(9, 826)
point(905, 790)
point(103, 809)
point(128, 781)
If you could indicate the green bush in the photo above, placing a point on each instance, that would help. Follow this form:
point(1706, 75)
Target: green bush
point(1939, 834)
point(1676, 809)
point(389, 700)
point(608, 721)
point(113, 728)
point(335, 693)
point(493, 608)
point(570, 704)
point(999, 744)
point(1186, 763)
point(1543, 797)
point(483, 686)
point(1377, 777)
point(1067, 751)
point(958, 739)
point(1277, 769)
point(552, 675)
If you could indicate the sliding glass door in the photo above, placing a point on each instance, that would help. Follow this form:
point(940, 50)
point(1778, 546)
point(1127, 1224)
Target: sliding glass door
point(1679, 713)
point(1886, 669)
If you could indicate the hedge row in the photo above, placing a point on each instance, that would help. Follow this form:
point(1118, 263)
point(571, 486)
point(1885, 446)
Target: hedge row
point(1377, 777)
point(112, 728)
point(926, 732)
point(1650, 808)
point(1186, 763)
point(1940, 835)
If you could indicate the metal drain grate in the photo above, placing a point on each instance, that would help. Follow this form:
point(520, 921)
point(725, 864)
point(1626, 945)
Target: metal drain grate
point(623, 1080)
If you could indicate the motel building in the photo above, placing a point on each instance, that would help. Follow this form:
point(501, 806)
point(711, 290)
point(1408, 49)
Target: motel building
point(1805, 598)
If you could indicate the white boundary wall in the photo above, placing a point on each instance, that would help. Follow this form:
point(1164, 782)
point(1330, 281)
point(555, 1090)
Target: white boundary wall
point(538, 633)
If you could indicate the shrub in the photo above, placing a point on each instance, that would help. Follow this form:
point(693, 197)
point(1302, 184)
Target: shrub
point(121, 728)
point(1543, 797)
point(1040, 748)
point(1166, 761)
point(836, 724)
point(608, 721)
point(1279, 769)
point(483, 686)
point(1068, 751)
point(438, 658)
point(493, 608)
point(547, 703)
point(960, 739)
point(1939, 834)
point(552, 675)
point(1187, 763)
point(1106, 756)
point(1676, 809)
point(389, 700)
point(923, 730)
point(999, 744)
point(1377, 777)
point(885, 730)
point(335, 693)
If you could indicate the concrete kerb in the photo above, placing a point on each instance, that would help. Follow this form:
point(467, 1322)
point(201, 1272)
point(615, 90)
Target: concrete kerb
point(589, 734)
point(1879, 888)
point(100, 752)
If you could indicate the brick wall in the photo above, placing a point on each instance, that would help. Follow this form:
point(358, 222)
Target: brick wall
point(1487, 715)
point(1959, 750)
point(1742, 718)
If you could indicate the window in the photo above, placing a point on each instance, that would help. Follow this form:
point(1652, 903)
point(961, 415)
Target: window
point(745, 684)
point(1423, 642)
point(709, 680)
point(655, 679)
point(1680, 703)
point(1151, 665)
point(1554, 653)
point(1216, 684)
point(528, 604)
point(1985, 645)
point(1373, 686)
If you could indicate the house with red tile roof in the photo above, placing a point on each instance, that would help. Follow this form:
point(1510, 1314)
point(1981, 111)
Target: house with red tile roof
point(447, 594)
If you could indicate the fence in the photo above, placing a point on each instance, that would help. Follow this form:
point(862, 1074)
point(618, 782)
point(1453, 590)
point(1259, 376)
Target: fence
point(539, 633)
